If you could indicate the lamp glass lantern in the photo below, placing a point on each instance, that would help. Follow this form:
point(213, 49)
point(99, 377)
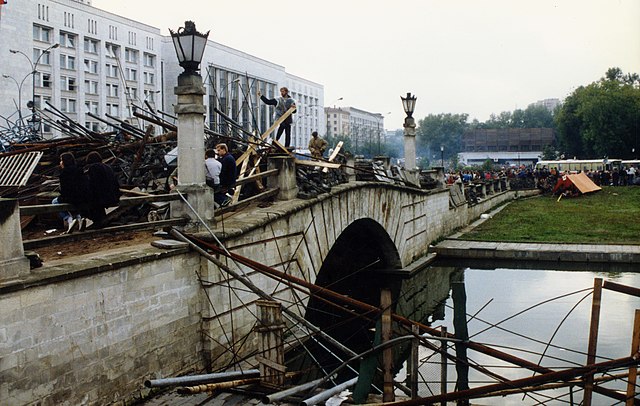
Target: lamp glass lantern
point(408, 104)
point(189, 45)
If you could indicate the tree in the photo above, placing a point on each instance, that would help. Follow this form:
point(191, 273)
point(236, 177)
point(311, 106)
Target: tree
point(603, 118)
point(439, 130)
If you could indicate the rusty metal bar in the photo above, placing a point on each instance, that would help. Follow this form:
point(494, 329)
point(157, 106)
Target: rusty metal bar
point(563, 375)
point(387, 354)
point(635, 351)
point(593, 338)
point(319, 291)
point(201, 379)
point(617, 287)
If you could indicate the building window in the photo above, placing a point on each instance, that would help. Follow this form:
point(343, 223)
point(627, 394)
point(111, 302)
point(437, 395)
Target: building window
point(91, 86)
point(112, 50)
point(150, 95)
point(43, 57)
point(67, 105)
point(67, 40)
point(91, 107)
point(113, 109)
point(90, 66)
point(113, 32)
point(132, 92)
point(67, 61)
point(41, 33)
point(112, 90)
point(40, 101)
point(131, 74)
point(149, 60)
point(132, 38)
point(150, 43)
point(43, 80)
point(149, 78)
point(90, 46)
point(92, 125)
point(111, 70)
point(131, 55)
point(69, 20)
point(68, 83)
point(92, 26)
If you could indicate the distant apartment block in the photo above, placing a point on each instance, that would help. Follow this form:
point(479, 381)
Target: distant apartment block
point(505, 145)
point(365, 129)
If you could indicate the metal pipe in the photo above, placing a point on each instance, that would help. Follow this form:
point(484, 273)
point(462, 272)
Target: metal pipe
point(278, 396)
point(201, 379)
point(314, 400)
point(212, 387)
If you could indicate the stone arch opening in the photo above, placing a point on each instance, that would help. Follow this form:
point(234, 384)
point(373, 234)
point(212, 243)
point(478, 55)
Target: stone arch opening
point(355, 266)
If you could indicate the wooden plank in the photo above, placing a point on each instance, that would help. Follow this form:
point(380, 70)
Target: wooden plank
point(317, 163)
point(333, 155)
point(252, 178)
point(593, 338)
point(271, 364)
point(633, 370)
point(245, 202)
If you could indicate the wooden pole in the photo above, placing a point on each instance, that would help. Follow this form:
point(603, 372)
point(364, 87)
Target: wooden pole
point(443, 365)
point(633, 370)
point(387, 353)
point(459, 297)
point(593, 338)
point(412, 365)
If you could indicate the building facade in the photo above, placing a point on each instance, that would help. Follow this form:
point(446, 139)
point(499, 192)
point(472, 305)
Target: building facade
point(364, 129)
point(505, 146)
point(93, 66)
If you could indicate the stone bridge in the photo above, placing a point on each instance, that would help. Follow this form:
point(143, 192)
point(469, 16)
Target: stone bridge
point(92, 329)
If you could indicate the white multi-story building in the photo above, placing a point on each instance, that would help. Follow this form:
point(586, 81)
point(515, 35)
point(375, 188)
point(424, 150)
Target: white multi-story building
point(86, 61)
point(365, 129)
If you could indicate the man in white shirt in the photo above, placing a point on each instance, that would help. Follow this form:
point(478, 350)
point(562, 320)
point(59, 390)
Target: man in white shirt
point(212, 168)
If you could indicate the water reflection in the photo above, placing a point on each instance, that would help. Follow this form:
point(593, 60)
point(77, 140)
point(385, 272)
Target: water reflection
point(555, 333)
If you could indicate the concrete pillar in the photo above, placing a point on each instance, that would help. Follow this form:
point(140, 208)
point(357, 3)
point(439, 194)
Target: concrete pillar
point(13, 263)
point(410, 150)
point(191, 181)
point(286, 177)
point(350, 168)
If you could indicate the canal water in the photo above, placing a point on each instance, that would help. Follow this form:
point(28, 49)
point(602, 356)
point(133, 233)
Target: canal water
point(543, 316)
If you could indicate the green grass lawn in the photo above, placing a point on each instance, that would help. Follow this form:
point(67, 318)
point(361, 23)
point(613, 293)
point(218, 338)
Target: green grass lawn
point(610, 216)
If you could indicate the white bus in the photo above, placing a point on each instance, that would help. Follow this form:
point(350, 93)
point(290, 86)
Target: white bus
point(581, 165)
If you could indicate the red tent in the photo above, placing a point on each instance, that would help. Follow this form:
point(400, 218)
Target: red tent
point(579, 183)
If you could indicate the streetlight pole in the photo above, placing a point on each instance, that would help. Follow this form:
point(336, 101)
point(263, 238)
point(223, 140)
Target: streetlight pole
point(34, 70)
point(409, 104)
point(19, 86)
point(442, 156)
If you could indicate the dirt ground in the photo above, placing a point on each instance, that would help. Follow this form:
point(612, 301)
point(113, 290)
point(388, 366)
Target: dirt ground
point(89, 245)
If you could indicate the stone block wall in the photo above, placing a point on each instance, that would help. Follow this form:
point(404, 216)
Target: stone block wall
point(93, 339)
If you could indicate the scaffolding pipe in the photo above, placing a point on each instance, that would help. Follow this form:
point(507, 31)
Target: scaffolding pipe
point(314, 400)
point(278, 396)
point(201, 379)
point(212, 387)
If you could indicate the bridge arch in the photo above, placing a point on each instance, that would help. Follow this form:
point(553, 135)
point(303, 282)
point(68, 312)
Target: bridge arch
point(357, 266)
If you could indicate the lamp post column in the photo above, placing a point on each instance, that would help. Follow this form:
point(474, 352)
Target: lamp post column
point(190, 110)
point(410, 148)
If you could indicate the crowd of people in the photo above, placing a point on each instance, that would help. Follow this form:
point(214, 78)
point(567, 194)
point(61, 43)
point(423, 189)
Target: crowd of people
point(91, 189)
point(546, 178)
point(220, 173)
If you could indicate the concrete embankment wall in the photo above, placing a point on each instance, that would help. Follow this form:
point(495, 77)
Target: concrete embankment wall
point(90, 330)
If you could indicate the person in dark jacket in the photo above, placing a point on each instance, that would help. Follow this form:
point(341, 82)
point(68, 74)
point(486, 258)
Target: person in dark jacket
point(74, 189)
point(282, 103)
point(227, 175)
point(104, 189)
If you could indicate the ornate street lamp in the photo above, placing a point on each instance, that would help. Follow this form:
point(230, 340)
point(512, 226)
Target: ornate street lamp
point(408, 104)
point(442, 155)
point(189, 45)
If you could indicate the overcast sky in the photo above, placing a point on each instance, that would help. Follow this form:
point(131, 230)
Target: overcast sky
point(474, 57)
